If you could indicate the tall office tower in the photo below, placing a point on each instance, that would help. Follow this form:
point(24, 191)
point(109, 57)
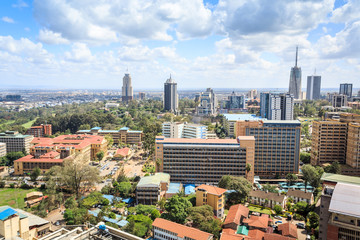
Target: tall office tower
point(277, 145)
point(127, 90)
point(235, 102)
point(171, 102)
point(205, 161)
point(277, 106)
point(208, 103)
point(295, 79)
point(313, 87)
point(252, 94)
point(346, 89)
point(338, 100)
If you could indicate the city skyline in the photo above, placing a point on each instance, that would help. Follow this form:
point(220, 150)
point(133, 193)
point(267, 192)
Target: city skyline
point(64, 44)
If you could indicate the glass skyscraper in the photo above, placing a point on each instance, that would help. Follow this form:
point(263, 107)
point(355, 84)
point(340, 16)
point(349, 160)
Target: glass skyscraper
point(295, 79)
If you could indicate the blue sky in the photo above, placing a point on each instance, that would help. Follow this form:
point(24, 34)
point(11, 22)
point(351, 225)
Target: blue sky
point(220, 44)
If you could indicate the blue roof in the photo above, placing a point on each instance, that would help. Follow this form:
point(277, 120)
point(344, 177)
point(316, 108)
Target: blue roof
point(84, 131)
point(128, 200)
point(243, 117)
point(6, 213)
point(124, 128)
point(95, 214)
point(110, 220)
point(174, 188)
point(189, 189)
point(135, 131)
point(122, 223)
point(96, 128)
point(111, 197)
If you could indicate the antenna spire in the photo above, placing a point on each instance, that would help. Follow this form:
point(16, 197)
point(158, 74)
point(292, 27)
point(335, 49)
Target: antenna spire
point(296, 58)
point(314, 71)
point(170, 75)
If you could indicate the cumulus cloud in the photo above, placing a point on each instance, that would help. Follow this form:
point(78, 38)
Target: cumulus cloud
point(79, 53)
point(7, 19)
point(20, 4)
point(50, 37)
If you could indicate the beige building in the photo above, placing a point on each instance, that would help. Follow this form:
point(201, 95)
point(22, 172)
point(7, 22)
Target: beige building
point(267, 199)
point(2, 149)
point(204, 161)
point(18, 224)
point(353, 145)
point(151, 189)
point(123, 135)
point(300, 196)
point(16, 142)
point(212, 196)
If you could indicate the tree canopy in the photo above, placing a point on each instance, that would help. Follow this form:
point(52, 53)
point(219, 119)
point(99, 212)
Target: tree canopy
point(241, 186)
point(177, 209)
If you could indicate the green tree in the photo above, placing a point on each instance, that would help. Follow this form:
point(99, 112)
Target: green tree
point(305, 157)
point(313, 220)
point(302, 208)
point(162, 203)
point(278, 209)
point(241, 186)
point(311, 175)
point(123, 189)
point(154, 214)
point(177, 209)
point(35, 174)
point(335, 167)
point(100, 155)
point(269, 188)
point(291, 178)
point(203, 218)
point(110, 140)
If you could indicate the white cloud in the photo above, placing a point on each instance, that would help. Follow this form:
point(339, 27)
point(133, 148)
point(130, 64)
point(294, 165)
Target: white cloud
point(7, 19)
point(49, 37)
point(79, 53)
point(20, 4)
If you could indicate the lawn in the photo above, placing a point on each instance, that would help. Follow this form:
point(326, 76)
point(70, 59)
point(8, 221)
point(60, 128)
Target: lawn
point(8, 196)
point(29, 124)
point(260, 210)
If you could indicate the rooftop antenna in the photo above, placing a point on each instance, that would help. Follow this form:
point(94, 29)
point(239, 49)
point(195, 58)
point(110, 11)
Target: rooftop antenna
point(296, 58)
point(170, 75)
point(127, 69)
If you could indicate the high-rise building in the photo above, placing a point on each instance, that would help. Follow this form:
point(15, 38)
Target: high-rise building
point(277, 145)
point(230, 120)
point(204, 161)
point(277, 106)
point(338, 100)
point(353, 145)
point(313, 87)
point(346, 89)
point(235, 102)
point(208, 103)
point(171, 102)
point(295, 79)
point(142, 95)
point(339, 207)
point(252, 94)
point(40, 131)
point(127, 90)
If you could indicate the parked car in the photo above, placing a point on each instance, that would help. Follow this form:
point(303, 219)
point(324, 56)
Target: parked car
point(278, 217)
point(278, 222)
point(300, 225)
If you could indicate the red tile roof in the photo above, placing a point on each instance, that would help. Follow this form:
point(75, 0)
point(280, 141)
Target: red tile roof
point(229, 236)
point(212, 189)
point(235, 213)
point(51, 154)
point(258, 222)
point(274, 236)
point(123, 151)
point(229, 231)
point(288, 229)
point(256, 234)
point(181, 230)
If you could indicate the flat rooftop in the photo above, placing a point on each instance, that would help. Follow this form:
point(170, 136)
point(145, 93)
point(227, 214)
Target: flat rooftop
point(204, 141)
point(241, 117)
point(338, 178)
point(343, 200)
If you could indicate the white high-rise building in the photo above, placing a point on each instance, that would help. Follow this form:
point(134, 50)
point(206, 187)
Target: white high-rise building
point(184, 130)
point(277, 106)
point(127, 90)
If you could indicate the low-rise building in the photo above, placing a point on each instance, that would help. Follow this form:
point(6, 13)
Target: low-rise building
point(123, 135)
point(257, 222)
point(288, 230)
point(267, 199)
point(122, 153)
point(236, 215)
point(300, 196)
point(212, 196)
point(151, 189)
point(166, 230)
point(2, 149)
point(16, 142)
point(26, 165)
point(16, 223)
point(40, 131)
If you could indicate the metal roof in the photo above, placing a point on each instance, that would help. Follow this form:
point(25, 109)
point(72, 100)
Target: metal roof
point(6, 213)
point(343, 200)
point(174, 188)
point(33, 219)
point(154, 180)
point(241, 117)
point(338, 178)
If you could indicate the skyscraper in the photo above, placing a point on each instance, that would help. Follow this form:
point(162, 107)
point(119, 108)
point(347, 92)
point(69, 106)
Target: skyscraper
point(277, 106)
point(346, 89)
point(127, 90)
point(313, 87)
point(295, 79)
point(208, 103)
point(171, 102)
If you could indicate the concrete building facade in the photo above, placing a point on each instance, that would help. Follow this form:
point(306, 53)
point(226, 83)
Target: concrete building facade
point(277, 106)
point(127, 90)
point(16, 142)
point(353, 145)
point(207, 103)
point(123, 135)
point(204, 161)
point(212, 196)
point(295, 79)
point(313, 87)
point(2, 149)
point(171, 97)
point(151, 189)
point(346, 89)
point(338, 100)
point(40, 131)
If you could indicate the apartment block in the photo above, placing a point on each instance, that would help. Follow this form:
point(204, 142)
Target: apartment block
point(2, 149)
point(259, 197)
point(166, 230)
point(231, 119)
point(183, 130)
point(277, 106)
point(339, 209)
point(207, 103)
point(212, 196)
point(277, 145)
point(123, 135)
point(16, 142)
point(328, 142)
point(353, 146)
point(204, 161)
point(338, 100)
point(40, 131)
point(151, 189)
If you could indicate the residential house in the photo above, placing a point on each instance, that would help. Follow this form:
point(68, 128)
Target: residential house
point(267, 199)
point(237, 213)
point(288, 230)
point(300, 196)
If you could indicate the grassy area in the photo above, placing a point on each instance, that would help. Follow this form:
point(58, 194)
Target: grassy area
point(29, 124)
point(14, 197)
point(260, 210)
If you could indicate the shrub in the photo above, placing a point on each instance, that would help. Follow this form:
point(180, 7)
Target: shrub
point(12, 185)
point(2, 184)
